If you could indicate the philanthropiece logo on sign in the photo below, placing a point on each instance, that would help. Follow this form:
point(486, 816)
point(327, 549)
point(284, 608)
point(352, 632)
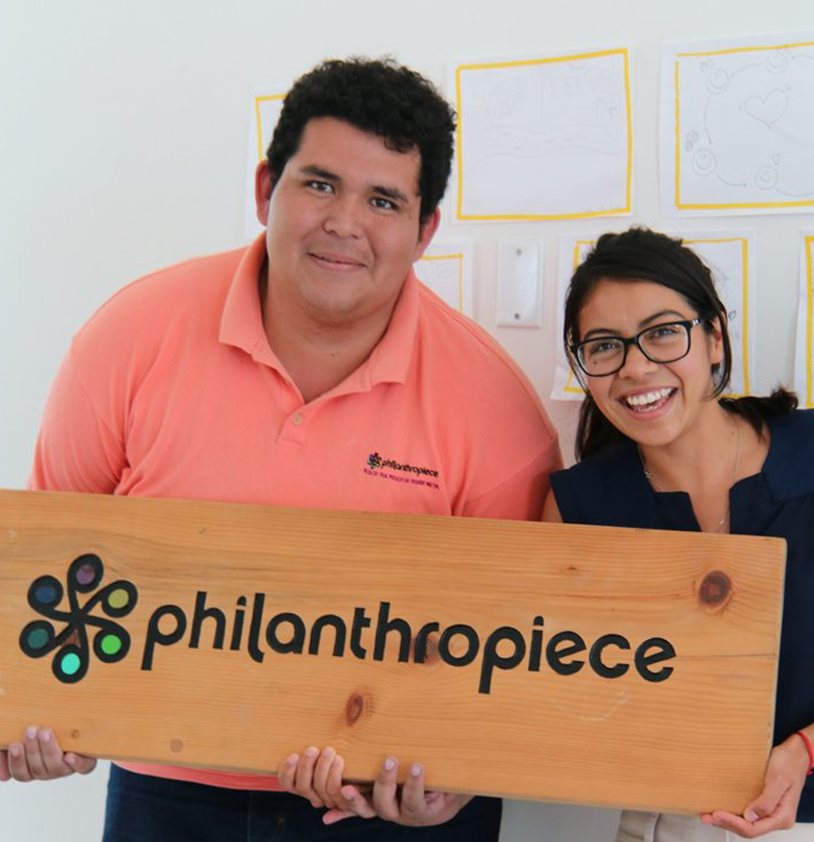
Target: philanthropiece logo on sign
point(48, 597)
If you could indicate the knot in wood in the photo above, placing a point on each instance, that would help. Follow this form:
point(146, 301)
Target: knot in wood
point(426, 651)
point(75, 734)
point(715, 590)
point(177, 746)
point(354, 708)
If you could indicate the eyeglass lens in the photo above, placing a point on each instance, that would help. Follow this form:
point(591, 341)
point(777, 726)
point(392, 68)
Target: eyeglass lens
point(661, 344)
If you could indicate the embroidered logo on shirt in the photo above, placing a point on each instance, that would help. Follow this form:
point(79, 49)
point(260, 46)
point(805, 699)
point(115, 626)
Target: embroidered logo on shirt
point(110, 642)
point(378, 466)
point(376, 461)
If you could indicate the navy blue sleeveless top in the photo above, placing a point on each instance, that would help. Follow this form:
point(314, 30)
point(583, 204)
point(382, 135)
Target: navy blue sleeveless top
point(612, 490)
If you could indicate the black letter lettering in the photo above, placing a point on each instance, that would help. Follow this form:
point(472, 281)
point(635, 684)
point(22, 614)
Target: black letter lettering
point(554, 655)
point(360, 621)
point(471, 638)
point(254, 629)
point(595, 658)
point(664, 651)
point(202, 613)
point(155, 635)
point(237, 630)
point(384, 626)
point(491, 659)
point(536, 648)
point(420, 650)
point(316, 631)
point(298, 638)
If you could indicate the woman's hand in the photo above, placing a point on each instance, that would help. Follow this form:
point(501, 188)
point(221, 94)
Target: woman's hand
point(413, 805)
point(776, 807)
point(317, 776)
point(39, 757)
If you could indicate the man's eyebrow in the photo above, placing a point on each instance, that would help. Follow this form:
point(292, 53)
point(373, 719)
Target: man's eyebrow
point(607, 331)
point(326, 175)
point(389, 193)
point(318, 172)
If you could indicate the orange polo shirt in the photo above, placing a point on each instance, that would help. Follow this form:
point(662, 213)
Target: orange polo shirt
point(172, 390)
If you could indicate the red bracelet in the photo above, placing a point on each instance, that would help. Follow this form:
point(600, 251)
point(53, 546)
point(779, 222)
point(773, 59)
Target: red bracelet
point(809, 749)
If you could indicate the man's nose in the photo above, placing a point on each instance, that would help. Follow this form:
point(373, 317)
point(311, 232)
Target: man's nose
point(344, 217)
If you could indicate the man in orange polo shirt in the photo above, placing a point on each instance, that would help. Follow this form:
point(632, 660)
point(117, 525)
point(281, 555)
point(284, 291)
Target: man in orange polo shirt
point(309, 369)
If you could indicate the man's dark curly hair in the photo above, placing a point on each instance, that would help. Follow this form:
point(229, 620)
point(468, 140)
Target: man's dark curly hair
point(377, 96)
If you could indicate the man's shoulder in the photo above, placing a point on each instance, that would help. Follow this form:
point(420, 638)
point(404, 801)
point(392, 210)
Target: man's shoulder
point(156, 303)
point(470, 361)
point(463, 340)
point(178, 306)
point(184, 283)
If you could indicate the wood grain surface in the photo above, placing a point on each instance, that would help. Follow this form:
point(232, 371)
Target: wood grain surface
point(494, 696)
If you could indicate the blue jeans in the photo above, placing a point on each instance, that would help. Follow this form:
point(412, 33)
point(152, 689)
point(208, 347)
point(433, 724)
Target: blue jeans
point(141, 808)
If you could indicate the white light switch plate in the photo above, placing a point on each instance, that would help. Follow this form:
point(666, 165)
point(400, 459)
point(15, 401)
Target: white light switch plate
point(518, 283)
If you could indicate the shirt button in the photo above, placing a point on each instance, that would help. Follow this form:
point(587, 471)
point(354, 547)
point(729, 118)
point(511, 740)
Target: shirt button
point(297, 420)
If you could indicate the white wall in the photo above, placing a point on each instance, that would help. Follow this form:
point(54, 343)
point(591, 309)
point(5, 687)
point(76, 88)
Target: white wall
point(122, 150)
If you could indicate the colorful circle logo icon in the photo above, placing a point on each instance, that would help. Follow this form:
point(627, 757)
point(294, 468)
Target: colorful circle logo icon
point(110, 642)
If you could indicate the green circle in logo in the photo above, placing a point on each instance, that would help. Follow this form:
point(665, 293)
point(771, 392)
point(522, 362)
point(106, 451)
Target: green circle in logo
point(119, 598)
point(38, 638)
point(70, 664)
point(111, 644)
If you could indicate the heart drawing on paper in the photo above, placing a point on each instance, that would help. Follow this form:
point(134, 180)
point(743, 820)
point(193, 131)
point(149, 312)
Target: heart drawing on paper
point(769, 109)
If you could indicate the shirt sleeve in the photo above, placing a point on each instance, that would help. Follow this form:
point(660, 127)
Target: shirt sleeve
point(522, 495)
point(76, 449)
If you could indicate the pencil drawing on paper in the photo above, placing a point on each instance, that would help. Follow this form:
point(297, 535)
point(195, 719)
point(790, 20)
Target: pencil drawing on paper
point(745, 132)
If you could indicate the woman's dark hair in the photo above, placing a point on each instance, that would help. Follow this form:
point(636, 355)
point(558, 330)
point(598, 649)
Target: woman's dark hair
point(376, 96)
point(639, 254)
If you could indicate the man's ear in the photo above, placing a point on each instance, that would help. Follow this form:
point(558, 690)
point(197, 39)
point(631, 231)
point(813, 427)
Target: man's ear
point(426, 232)
point(262, 192)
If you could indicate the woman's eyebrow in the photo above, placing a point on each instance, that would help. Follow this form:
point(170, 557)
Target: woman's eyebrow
point(661, 314)
point(608, 331)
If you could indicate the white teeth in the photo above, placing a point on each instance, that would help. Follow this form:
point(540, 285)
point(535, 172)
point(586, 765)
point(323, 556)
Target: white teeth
point(648, 397)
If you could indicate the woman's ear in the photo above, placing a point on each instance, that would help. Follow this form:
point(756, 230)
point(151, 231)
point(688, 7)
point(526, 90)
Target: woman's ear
point(716, 340)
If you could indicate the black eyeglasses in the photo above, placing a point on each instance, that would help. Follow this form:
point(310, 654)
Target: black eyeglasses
point(602, 356)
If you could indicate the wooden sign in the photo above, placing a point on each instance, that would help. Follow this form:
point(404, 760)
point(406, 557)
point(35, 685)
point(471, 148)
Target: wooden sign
point(605, 666)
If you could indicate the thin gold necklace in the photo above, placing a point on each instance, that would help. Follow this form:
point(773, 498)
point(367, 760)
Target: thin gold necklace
point(722, 521)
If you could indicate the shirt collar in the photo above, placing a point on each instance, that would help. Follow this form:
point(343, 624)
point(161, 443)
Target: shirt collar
point(390, 360)
point(791, 450)
point(241, 323)
point(241, 326)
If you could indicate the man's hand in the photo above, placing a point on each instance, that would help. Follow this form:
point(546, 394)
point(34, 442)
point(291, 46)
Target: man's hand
point(39, 757)
point(776, 807)
point(316, 776)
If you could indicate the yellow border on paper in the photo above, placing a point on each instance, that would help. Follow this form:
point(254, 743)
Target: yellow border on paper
point(578, 390)
point(460, 259)
point(745, 260)
point(261, 152)
point(736, 205)
point(570, 379)
point(526, 63)
point(809, 252)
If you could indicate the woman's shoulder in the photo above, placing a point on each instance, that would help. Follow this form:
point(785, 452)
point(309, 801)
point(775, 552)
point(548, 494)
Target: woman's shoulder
point(789, 467)
point(605, 489)
point(620, 455)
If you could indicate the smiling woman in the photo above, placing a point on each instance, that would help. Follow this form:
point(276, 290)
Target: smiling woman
point(660, 448)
